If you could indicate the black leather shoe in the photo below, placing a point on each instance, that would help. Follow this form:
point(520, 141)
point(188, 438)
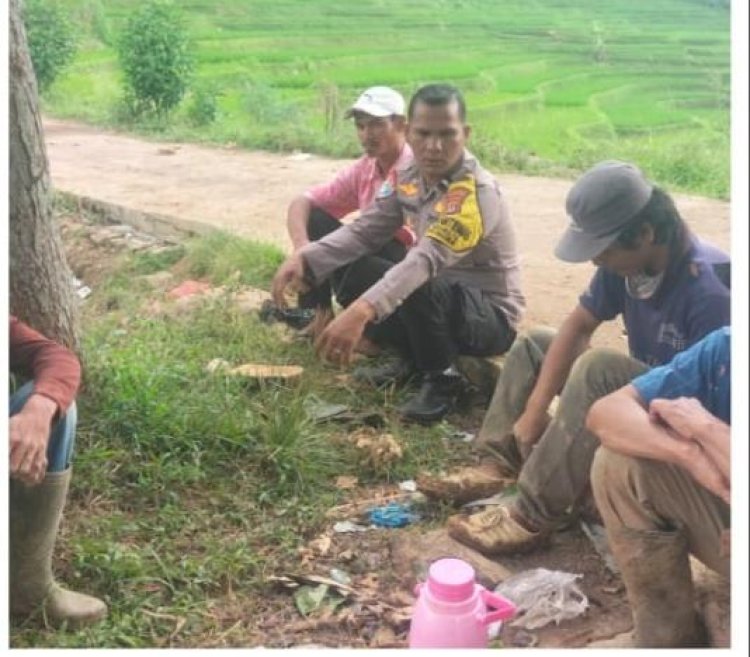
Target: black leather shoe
point(436, 398)
point(394, 371)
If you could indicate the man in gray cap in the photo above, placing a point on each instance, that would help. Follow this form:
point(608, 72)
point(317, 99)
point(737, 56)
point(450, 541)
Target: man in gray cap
point(671, 289)
point(379, 119)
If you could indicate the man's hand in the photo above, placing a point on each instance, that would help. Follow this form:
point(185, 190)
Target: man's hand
point(528, 429)
point(338, 341)
point(703, 470)
point(290, 273)
point(684, 415)
point(29, 434)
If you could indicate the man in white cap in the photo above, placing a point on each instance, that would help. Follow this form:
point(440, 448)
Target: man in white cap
point(378, 116)
point(671, 289)
point(456, 292)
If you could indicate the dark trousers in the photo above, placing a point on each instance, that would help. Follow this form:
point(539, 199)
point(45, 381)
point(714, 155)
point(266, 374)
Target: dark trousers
point(437, 322)
point(319, 225)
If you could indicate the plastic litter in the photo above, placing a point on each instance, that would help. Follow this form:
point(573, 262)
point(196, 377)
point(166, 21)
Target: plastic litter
point(319, 410)
point(340, 576)
point(409, 486)
point(393, 515)
point(544, 596)
point(348, 527)
point(82, 290)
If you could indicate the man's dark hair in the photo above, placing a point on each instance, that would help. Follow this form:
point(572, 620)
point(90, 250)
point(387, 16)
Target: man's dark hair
point(436, 95)
point(662, 215)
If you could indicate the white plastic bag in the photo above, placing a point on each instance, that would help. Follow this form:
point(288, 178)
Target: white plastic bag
point(543, 596)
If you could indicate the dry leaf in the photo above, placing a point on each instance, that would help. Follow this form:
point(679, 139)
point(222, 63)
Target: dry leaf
point(321, 545)
point(369, 581)
point(384, 637)
point(345, 482)
point(376, 450)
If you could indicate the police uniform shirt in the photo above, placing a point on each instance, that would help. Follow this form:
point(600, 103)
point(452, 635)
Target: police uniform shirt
point(463, 233)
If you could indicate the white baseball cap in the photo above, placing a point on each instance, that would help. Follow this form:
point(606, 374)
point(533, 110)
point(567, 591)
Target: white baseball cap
point(378, 101)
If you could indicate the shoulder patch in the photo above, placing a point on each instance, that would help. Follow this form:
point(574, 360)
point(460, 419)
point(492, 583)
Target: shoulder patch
point(386, 189)
point(459, 222)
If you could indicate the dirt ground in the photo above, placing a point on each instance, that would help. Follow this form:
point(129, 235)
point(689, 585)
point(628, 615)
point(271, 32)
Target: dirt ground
point(247, 193)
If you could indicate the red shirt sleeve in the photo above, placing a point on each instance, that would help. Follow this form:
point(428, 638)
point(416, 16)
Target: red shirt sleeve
point(55, 369)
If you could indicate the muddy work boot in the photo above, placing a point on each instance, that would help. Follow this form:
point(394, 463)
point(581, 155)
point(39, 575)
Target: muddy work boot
point(35, 513)
point(393, 372)
point(466, 484)
point(495, 531)
point(656, 571)
point(436, 398)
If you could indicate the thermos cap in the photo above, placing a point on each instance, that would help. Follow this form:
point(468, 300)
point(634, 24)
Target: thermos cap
point(451, 580)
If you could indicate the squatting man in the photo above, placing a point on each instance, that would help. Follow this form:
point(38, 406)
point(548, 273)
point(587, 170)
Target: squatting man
point(457, 290)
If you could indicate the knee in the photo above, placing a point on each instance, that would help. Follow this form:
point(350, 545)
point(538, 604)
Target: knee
point(598, 369)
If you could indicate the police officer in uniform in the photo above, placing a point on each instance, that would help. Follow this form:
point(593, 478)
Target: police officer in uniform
point(457, 291)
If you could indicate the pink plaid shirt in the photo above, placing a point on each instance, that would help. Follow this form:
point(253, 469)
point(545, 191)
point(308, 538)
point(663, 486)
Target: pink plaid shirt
point(355, 188)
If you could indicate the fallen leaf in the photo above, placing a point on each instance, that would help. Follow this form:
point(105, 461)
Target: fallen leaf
point(376, 450)
point(321, 545)
point(345, 482)
point(308, 599)
point(384, 637)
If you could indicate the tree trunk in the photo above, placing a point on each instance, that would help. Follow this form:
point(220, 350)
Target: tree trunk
point(40, 282)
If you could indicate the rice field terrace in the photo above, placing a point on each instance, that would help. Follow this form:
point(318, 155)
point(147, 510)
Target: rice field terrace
point(551, 85)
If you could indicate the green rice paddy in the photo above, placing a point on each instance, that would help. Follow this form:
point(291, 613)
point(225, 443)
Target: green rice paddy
point(551, 85)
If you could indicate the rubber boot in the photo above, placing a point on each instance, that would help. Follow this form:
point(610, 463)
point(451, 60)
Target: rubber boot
point(656, 572)
point(35, 513)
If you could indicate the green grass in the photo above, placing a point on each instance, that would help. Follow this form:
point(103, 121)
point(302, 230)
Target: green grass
point(191, 489)
point(537, 76)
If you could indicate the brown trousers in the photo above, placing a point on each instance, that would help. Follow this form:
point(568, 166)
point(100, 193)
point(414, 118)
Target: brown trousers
point(647, 495)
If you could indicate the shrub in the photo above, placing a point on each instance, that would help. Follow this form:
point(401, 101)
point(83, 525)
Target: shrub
point(155, 58)
point(204, 107)
point(51, 39)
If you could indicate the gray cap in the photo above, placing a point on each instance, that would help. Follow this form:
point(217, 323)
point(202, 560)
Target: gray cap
point(600, 204)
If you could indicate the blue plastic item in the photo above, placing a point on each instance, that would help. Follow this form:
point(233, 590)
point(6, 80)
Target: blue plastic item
point(392, 515)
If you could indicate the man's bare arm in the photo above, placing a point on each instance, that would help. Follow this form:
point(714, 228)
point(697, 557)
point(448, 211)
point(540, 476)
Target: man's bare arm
point(570, 342)
point(623, 424)
point(297, 216)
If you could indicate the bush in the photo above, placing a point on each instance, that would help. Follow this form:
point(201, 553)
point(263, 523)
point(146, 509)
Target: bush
point(155, 58)
point(51, 39)
point(204, 107)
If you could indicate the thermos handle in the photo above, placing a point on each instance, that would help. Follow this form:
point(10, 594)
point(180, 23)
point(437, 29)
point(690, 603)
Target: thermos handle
point(503, 609)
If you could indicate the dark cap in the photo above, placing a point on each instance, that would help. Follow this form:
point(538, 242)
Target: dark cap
point(600, 205)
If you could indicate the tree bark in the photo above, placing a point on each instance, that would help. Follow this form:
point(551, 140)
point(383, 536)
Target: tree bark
point(40, 281)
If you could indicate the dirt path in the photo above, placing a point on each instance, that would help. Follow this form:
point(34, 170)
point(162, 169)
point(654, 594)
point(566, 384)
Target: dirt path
point(246, 192)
